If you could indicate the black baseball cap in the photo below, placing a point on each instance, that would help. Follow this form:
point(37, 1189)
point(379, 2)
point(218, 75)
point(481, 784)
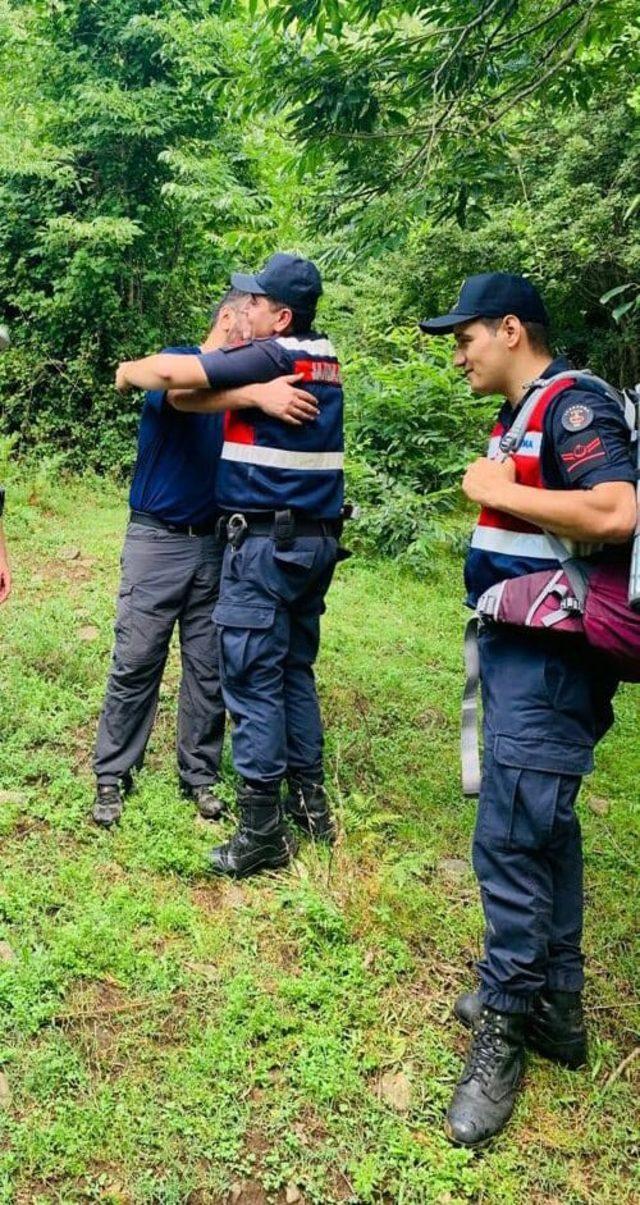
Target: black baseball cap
point(287, 278)
point(491, 295)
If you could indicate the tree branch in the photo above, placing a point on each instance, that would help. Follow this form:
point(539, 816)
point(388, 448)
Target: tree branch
point(553, 69)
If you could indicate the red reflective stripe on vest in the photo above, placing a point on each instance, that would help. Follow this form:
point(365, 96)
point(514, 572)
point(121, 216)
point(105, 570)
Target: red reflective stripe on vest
point(526, 460)
point(499, 518)
point(327, 371)
point(236, 430)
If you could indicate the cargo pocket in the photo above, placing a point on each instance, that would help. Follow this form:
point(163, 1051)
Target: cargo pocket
point(522, 781)
point(295, 557)
point(544, 753)
point(122, 625)
point(245, 632)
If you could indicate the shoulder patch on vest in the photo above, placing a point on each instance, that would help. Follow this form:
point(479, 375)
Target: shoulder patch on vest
point(577, 417)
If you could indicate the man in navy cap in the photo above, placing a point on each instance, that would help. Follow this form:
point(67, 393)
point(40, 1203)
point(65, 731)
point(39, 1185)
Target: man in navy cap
point(171, 564)
point(546, 701)
point(281, 492)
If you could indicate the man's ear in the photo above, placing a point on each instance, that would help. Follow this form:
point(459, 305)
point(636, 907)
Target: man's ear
point(283, 320)
point(512, 330)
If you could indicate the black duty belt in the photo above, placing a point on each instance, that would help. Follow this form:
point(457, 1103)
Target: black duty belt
point(283, 526)
point(183, 529)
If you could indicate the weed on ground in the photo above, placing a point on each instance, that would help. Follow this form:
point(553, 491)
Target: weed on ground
point(167, 1038)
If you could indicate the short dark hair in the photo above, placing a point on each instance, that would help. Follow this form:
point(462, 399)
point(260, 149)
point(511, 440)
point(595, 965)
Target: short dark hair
point(537, 333)
point(301, 320)
point(231, 297)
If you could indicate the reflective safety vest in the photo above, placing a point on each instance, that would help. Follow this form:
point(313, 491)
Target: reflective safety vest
point(267, 464)
point(503, 546)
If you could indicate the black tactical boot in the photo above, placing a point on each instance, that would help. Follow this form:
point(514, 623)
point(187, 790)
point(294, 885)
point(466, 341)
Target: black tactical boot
point(556, 1028)
point(306, 804)
point(262, 840)
point(484, 1098)
point(205, 799)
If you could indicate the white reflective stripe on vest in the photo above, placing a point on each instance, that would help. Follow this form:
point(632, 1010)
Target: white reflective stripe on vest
point(315, 347)
point(530, 445)
point(513, 543)
point(278, 458)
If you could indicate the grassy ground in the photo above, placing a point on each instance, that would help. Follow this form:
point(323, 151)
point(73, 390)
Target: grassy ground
point(171, 1039)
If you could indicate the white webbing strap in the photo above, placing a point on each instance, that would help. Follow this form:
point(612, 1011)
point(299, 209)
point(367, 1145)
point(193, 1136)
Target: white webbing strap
point(469, 751)
point(571, 568)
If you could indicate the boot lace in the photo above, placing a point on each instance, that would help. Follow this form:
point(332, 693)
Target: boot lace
point(488, 1045)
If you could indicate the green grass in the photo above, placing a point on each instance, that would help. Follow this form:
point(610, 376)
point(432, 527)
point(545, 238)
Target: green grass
point(167, 1038)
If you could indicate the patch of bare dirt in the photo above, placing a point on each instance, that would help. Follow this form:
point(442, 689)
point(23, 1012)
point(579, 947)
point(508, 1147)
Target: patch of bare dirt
point(247, 1192)
point(102, 1019)
point(206, 898)
point(74, 569)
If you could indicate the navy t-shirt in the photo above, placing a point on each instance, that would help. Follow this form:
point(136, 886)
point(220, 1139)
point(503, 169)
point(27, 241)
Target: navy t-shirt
point(175, 472)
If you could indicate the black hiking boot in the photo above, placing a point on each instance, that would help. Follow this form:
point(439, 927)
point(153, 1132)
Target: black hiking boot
point(108, 804)
point(555, 1029)
point(205, 798)
point(262, 840)
point(484, 1098)
point(109, 800)
point(306, 804)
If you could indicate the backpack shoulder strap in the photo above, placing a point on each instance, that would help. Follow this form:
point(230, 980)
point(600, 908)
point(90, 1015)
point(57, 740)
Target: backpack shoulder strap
point(543, 389)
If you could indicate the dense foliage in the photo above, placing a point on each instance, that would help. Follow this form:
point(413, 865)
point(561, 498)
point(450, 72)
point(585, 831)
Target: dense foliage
point(116, 204)
point(146, 147)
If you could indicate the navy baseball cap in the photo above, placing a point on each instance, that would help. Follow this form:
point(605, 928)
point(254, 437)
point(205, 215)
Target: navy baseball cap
point(286, 278)
point(491, 295)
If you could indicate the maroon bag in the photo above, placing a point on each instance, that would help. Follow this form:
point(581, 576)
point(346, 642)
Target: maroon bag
point(577, 599)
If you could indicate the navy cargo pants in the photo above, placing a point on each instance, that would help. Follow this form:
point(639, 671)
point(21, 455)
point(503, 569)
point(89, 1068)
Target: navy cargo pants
point(547, 701)
point(168, 578)
point(268, 617)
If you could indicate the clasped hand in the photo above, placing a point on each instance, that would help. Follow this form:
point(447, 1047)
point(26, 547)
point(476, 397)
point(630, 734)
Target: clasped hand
point(283, 398)
point(484, 480)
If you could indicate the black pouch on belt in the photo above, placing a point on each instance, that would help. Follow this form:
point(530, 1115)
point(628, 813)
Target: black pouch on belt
point(284, 530)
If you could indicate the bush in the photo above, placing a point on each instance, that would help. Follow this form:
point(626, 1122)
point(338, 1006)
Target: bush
point(412, 427)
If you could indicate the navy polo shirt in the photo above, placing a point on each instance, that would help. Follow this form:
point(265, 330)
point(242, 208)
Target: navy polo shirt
point(175, 471)
point(585, 438)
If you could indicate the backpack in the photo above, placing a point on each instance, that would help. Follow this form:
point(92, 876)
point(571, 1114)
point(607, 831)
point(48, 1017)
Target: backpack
point(598, 602)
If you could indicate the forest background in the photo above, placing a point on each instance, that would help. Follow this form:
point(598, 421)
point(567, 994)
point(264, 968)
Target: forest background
point(147, 148)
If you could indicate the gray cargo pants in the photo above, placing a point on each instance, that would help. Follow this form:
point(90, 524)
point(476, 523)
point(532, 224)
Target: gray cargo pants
point(167, 577)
